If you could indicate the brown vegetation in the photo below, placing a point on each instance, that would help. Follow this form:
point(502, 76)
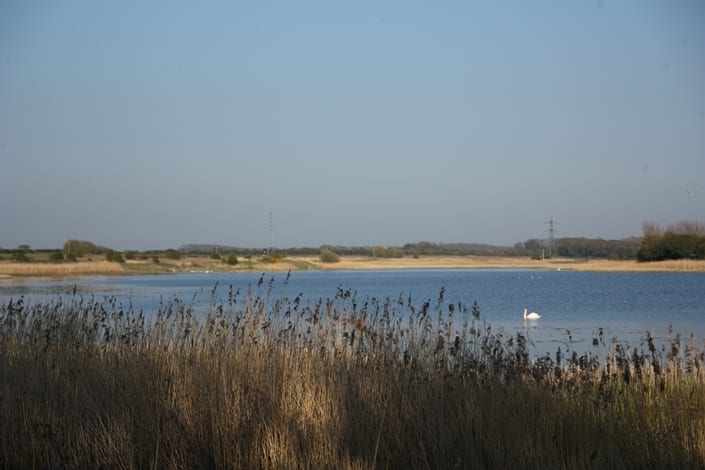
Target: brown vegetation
point(47, 269)
point(82, 267)
point(497, 262)
point(330, 384)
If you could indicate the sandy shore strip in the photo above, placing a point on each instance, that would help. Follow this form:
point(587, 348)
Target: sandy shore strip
point(492, 262)
point(16, 271)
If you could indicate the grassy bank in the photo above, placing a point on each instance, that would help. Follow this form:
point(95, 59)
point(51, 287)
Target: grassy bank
point(9, 269)
point(85, 267)
point(258, 383)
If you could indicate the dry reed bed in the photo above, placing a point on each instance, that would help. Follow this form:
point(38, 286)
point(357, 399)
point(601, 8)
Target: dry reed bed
point(514, 262)
point(8, 269)
point(12, 270)
point(263, 382)
point(682, 265)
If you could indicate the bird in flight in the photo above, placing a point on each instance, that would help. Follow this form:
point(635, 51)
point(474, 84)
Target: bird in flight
point(691, 193)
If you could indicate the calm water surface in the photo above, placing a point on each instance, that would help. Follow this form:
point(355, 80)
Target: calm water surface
point(574, 305)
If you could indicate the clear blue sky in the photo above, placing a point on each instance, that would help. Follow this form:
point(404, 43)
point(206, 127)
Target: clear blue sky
point(142, 125)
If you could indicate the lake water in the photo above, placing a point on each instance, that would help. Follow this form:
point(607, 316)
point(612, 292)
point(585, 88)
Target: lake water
point(574, 305)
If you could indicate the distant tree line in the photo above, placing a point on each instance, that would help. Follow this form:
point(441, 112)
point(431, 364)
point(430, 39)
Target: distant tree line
point(598, 248)
point(25, 254)
point(220, 250)
point(566, 247)
point(682, 240)
point(580, 247)
point(457, 249)
point(377, 251)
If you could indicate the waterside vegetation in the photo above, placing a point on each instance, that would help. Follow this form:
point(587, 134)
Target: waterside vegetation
point(11, 270)
point(685, 240)
point(681, 247)
point(256, 381)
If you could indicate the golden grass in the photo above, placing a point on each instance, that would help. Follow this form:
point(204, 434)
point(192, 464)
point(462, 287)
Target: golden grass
point(684, 265)
point(329, 385)
point(10, 270)
point(509, 262)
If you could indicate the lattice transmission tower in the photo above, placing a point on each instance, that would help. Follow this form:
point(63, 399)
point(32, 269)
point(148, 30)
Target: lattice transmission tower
point(271, 234)
point(551, 237)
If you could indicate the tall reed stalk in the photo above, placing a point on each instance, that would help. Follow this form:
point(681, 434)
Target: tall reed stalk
point(256, 381)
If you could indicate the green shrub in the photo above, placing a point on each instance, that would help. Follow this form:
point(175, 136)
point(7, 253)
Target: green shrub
point(671, 245)
point(114, 256)
point(329, 256)
point(394, 252)
point(215, 255)
point(20, 257)
point(272, 258)
point(56, 256)
point(388, 252)
point(172, 254)
point(231, 260)
point(81, 248)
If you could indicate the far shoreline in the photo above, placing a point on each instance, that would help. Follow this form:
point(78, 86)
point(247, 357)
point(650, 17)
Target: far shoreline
point(13, 271)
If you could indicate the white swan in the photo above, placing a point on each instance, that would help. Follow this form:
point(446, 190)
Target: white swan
point(531, 316)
